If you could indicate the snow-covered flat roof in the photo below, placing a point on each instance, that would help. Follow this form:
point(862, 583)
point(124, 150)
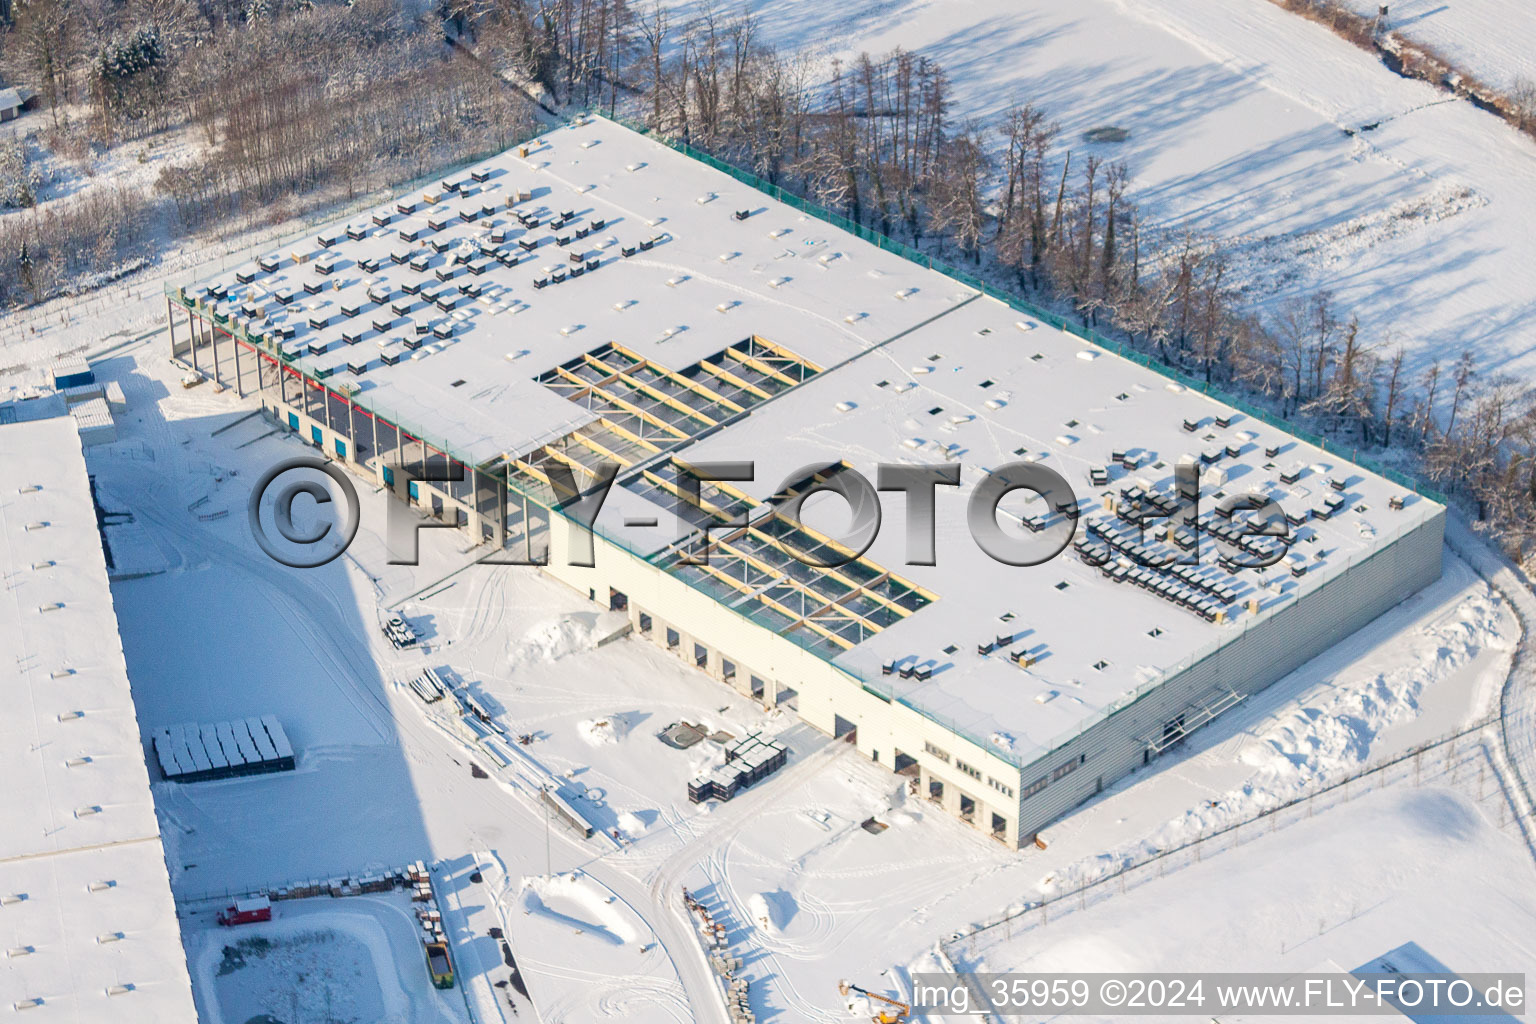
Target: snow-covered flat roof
point(86, 915)
point(708, 281)
point(984, 387)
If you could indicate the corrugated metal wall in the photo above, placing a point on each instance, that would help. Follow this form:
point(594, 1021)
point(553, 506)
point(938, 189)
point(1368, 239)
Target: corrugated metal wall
point(1267, 652)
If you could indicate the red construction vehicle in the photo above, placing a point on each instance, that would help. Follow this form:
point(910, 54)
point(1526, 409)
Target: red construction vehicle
point(247, 911)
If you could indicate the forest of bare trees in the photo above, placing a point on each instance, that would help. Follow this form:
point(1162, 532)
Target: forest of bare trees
point(281, 106)
point(293, 100)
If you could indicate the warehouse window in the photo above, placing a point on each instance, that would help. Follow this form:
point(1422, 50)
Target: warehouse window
point(1002, 788)
point(972, 772)
point(942, 755)
point(1068, 768)
point(1035, 787)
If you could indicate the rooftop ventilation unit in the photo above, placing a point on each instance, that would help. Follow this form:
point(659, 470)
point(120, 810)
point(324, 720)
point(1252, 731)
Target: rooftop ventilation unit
point(410, 233)
point(481, 174)
point(742, 214)
point(357, 232)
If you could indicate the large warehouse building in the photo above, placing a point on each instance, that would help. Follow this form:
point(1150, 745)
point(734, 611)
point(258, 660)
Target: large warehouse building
point(594, 296)
point(86, 917)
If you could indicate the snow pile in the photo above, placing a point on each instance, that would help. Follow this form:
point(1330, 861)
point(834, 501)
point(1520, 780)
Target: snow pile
point(1334, 736)
point(551, 640)
point(771, 911)
point(602, 732)
point(631, 824)
point(576, 900)
point(1002, 740)
point(1323, 740)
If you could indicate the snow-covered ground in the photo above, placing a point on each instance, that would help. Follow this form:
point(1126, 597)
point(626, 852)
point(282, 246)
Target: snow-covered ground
point(1491, 39)
point(597, 926)
point(1247, 121)
point(1345, 886)
point(356, 959)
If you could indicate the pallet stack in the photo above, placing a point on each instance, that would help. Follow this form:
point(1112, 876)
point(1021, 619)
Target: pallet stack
point(717, 949)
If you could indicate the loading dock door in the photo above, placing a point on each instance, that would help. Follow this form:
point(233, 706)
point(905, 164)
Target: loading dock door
point(844, 730)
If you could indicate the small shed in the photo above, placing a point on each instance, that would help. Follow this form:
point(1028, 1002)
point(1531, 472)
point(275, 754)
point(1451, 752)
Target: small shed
point(16, 100)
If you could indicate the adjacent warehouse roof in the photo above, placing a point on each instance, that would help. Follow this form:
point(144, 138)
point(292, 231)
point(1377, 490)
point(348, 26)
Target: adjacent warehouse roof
point(710, 323)
point(87, 923)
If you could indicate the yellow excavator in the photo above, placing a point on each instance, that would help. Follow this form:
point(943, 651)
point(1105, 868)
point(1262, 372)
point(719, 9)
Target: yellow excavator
point(897, 1013)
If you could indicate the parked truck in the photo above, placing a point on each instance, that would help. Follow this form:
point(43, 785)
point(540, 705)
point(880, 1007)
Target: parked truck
point(439, 965)
point(246, 911)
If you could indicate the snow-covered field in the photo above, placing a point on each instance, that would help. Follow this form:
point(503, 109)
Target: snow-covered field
point(1247, 122)
point(1492, 39)
point(808, 896)
point(1346, 886)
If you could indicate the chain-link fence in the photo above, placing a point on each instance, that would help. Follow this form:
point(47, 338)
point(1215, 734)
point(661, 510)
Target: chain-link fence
point(1461, 760)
